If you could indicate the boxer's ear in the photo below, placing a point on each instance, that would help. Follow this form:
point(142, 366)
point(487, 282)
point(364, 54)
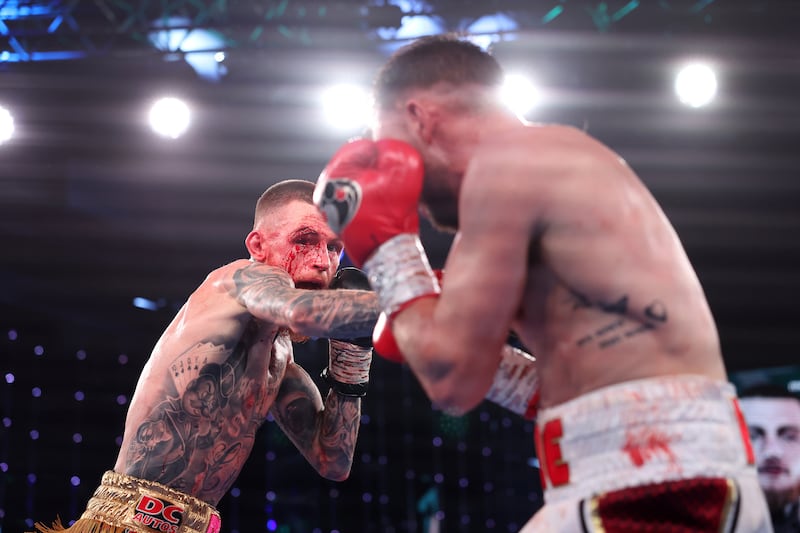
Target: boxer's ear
point(420, 119)
point(256, 246)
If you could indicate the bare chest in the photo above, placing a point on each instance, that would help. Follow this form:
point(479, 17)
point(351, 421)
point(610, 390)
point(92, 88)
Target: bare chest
point(267, 356)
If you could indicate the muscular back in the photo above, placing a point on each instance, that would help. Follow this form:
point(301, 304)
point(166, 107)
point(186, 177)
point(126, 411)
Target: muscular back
point(206, 389)
point(607, 291)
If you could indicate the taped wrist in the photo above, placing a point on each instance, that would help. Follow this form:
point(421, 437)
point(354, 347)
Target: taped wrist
point(348, 368)
point(516, 383)
point(399, 272)
point(358, 390)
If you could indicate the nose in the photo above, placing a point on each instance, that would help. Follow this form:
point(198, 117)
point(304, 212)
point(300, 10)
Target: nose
point(321, 258)
point(770, 447)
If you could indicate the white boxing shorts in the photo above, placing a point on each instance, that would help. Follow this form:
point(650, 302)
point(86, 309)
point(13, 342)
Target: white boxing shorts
point(662, 454)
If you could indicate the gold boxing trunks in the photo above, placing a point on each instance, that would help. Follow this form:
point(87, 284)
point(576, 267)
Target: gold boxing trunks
point(125, 504)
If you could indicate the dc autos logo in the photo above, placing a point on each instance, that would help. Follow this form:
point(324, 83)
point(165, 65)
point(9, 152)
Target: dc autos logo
point(159, 515)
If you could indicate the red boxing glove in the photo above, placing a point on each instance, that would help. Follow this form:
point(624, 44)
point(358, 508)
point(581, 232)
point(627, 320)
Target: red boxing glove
point(383, 340)
point(369, 193)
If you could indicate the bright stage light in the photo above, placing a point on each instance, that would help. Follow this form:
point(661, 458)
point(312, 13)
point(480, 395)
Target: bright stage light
point(519, 93)
point(6, 125)
point(346, 107)
point(170, 117)
point(696, 85)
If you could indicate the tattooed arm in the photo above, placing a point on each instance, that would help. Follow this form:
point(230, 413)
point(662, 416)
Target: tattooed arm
point(269, 294)
point(324, 434)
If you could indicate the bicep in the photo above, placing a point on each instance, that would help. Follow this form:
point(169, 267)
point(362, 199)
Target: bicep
point(453, 343)
point(483, 283)
point(481, 292)
point(486, 270)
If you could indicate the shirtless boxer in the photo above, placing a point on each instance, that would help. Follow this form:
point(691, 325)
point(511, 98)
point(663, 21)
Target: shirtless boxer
point(225, 362)
point(560, 242)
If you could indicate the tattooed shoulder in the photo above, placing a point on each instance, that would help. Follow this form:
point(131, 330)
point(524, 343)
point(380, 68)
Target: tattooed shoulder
point(257, 275)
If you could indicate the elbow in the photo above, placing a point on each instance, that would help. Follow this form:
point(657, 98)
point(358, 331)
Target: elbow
point(300, 319)
point(452, 402)
point(334, 464)
point(338, 475)
point(448, 378)
point(450, 392)
point(334, 472)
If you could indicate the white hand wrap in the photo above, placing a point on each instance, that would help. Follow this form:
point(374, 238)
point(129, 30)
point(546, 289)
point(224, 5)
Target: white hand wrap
point(349, 363)
point(399, 272)
point(516, 383)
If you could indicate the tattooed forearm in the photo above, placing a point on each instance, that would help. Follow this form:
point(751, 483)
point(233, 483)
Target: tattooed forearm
point(337, 314)
point(339, 431)
point(269, 294)
point(296, 412)
point(325, 435)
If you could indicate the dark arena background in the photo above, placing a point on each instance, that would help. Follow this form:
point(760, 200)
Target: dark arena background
point(106, 227)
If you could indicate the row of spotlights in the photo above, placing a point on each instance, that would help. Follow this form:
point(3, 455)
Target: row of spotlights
point(347, 107)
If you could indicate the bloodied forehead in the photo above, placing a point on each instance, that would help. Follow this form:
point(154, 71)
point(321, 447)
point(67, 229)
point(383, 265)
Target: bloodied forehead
point(297, 218)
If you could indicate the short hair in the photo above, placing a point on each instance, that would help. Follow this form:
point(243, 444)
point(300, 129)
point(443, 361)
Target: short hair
point(433, 59)
point(281, 194)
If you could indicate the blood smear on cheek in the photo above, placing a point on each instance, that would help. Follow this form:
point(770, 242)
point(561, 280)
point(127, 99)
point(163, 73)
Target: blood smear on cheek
point(291, 261)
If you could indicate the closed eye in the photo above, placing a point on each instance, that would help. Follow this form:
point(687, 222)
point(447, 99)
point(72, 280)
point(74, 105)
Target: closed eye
point(306, 239)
